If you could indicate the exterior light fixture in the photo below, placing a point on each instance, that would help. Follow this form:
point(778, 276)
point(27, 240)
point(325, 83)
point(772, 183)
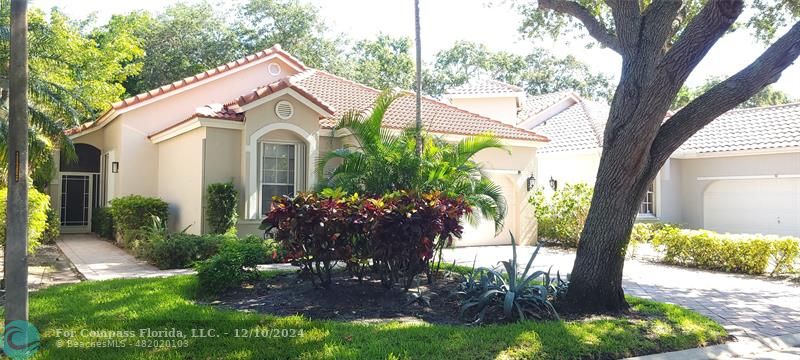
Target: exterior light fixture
point(531, 183)
point(553, 184)
point(115, 167)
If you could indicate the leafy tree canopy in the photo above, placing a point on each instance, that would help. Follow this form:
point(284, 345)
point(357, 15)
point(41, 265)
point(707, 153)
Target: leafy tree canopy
point(384, 63)
point(539, 72)
point(72, 77)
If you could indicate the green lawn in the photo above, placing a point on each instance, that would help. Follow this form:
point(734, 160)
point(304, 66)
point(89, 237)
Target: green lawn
point(167, 303)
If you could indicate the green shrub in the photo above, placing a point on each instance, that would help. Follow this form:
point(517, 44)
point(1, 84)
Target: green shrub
point(643, 233)
point(38, 206)
point(221, 207)
point(561, 217)
point(234, 264)
point(179, 251)
point(784, 254)
point(746, 254)
point(103, 223)
point(399, 232)
point(133, 213)
point(53, 228)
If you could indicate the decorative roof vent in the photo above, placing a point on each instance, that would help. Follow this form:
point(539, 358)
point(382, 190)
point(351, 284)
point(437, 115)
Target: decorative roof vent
point(274, 69)
point(284, 109)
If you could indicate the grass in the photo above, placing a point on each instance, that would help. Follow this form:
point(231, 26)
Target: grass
point(167, 303)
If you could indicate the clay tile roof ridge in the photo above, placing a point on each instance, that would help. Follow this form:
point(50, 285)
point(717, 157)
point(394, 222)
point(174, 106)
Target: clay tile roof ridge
point(429, 99)
point(275, 49)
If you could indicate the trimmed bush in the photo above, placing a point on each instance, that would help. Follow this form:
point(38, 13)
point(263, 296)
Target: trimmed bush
point(53, 228)
point(133, 213)
point(745, 254)
point(221, 207)
point(642, 233)
point(180, 251)
point(234, 264)
point(561, 217)
point(399, 232)
point(405, 232)
point(103, 223)
point(784, 255)
point(38, 207)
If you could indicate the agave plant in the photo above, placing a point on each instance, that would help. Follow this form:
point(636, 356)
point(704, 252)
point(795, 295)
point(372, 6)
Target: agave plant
point(510, 295)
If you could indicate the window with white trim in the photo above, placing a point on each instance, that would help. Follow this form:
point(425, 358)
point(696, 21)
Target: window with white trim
point(281, 170)
point(647, 207)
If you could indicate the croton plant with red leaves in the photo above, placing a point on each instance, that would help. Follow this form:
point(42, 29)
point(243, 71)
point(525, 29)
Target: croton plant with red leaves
point(398, 233)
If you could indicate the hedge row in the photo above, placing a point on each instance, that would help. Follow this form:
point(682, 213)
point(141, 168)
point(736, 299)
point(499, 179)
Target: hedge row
point(132, 214)
point(397, 233)
point(745, 254)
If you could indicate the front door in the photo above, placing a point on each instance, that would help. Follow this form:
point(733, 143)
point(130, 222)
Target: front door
point(76, 200)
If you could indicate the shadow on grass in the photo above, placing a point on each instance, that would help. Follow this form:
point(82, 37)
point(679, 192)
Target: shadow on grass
point(167, 303)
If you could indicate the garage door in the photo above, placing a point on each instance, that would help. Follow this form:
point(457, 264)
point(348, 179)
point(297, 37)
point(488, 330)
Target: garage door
point(483, 233)
point(762, 206)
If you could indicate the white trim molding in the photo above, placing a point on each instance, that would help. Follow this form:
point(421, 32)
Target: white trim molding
point(251, 153)
point(748, 177)
point(196, 123)
point(729, 153)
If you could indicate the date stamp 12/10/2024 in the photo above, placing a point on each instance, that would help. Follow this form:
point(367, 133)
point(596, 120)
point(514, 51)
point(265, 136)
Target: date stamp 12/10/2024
point(161, 338)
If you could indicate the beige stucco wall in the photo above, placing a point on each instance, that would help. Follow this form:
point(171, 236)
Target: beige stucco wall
point(510, 171)
point(691, 191)
point(222, 162)
point(499, 108)
point(263, 125)
point(569, 168)
point(180, 179)
point(127, 135)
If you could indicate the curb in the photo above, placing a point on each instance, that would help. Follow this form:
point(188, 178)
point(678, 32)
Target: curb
point(729, 350)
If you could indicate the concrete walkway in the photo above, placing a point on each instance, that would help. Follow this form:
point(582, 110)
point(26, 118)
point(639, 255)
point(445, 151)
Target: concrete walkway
point(772, 348)
point(747, 306)
point(98, 259)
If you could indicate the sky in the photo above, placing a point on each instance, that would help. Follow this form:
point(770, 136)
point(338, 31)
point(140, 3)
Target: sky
point(445, 21)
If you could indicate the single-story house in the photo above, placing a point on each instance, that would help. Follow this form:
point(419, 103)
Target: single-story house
point(259, 122)
point(739, 174)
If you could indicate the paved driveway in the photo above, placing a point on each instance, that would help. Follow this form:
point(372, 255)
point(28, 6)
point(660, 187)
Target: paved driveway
point(747, 306)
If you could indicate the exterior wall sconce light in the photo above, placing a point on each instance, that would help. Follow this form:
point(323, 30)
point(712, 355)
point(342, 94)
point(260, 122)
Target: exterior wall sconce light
point(531, 183)
point(553, 184)
point(115, 167)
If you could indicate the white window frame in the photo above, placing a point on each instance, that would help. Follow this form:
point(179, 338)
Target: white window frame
point(653, 210)
point(260, 171)
point(250, 162)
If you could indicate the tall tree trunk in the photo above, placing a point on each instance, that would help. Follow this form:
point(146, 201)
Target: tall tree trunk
point(16, 259)
point(596, 280)
point(657, 58)
point(419, 79)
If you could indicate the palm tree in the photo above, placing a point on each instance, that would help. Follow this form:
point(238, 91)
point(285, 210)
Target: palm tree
point(419, 142)
point(384, 160)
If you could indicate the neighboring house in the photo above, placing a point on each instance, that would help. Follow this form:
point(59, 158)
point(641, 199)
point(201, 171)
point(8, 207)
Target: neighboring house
point(259, 122)
point(739, 174)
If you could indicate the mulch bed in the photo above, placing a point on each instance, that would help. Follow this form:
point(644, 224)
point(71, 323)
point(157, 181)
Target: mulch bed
point(348, 299)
